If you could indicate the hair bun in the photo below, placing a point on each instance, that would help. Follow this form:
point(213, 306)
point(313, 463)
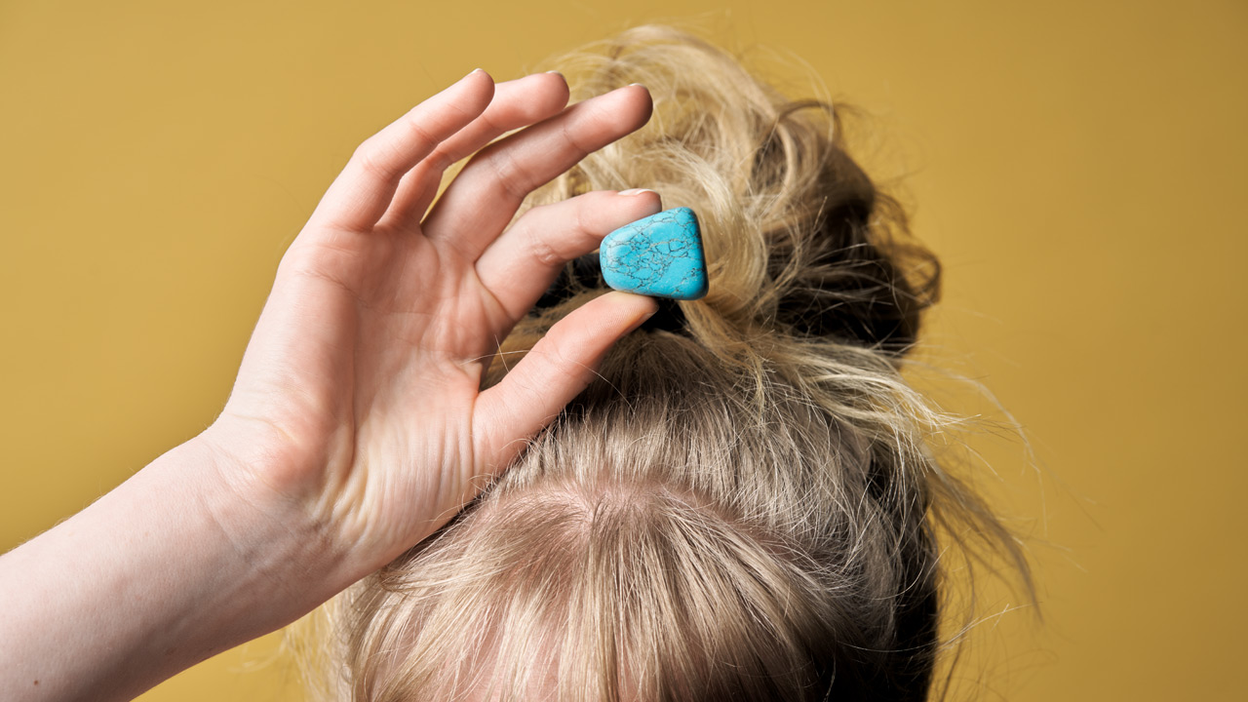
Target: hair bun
point(798, 239)
point(851, 287)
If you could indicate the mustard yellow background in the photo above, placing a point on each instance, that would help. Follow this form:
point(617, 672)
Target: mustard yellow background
point(1078, 166)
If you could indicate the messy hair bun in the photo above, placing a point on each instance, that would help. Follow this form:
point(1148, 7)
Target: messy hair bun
point(743, 505)
point(799, 239)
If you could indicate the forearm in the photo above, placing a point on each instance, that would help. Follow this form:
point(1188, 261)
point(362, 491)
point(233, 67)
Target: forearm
point(168, 569)
point(356, 425)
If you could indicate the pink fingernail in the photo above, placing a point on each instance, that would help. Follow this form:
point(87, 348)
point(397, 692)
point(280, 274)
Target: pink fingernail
point(642, 320)
point(637, 191)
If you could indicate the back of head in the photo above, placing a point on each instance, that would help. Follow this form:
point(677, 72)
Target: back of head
point(741, 506)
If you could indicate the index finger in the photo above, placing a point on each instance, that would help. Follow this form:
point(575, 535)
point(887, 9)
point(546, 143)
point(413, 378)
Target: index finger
point(360, 195)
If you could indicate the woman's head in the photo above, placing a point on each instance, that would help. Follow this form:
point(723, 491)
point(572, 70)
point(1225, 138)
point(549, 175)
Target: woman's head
point(741, 508)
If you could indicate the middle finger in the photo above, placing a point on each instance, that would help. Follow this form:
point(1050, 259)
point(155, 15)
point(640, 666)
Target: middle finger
point(486, 194)
point(516, 104)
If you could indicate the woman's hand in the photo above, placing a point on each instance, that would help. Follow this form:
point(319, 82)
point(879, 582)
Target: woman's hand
point(355, 427)
point(357, 404)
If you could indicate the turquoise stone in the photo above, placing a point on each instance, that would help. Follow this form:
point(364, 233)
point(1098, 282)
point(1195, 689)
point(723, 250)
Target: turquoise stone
point(659, 256)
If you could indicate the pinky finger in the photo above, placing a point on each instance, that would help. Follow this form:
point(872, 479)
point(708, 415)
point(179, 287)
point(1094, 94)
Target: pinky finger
point(556, 370)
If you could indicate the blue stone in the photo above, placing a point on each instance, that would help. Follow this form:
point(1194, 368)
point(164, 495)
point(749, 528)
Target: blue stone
point(659, 256)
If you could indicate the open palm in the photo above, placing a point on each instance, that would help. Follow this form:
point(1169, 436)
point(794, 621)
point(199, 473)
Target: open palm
point(358, 394)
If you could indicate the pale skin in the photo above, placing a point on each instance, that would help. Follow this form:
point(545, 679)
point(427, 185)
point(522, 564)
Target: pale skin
point(355, 427)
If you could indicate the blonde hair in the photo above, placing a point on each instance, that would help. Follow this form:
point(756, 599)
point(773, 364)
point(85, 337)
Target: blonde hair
point(743, 507)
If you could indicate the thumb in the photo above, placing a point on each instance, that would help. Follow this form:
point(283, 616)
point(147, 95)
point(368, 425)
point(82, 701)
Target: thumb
point(556, 370)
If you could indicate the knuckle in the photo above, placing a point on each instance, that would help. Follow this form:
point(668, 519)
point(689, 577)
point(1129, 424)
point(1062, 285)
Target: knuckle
point(583, 230)
point(513, 176)
point(550, 362)
point(574, 140)
point(560, 232)
point(440, 159)
point(371, 157)
point(545, 253)
point(419, 133)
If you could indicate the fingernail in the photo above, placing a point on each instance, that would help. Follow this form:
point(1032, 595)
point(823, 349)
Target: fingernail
point(637, 85)
point(637, 191)
point(645, 316)
point(557, 73)
point(475, 70)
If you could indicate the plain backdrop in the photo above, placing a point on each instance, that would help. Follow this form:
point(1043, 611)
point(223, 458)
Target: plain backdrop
point(1079, 167)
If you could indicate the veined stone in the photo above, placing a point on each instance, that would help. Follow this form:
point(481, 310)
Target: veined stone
point(659, 256)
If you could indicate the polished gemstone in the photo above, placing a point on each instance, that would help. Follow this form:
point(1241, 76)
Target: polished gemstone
point(659, 256)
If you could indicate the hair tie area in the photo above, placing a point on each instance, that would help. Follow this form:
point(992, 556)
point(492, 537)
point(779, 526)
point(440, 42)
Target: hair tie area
point(660, 256)
point(585, 273)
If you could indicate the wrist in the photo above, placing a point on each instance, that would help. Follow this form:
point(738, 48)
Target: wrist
point(187, 558)
point(259, 499)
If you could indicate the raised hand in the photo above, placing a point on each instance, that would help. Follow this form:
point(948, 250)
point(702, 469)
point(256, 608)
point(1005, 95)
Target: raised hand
point(355, 427)
point(357, 403)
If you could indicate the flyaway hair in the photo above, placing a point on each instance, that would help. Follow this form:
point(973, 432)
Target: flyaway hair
point(744, 505)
